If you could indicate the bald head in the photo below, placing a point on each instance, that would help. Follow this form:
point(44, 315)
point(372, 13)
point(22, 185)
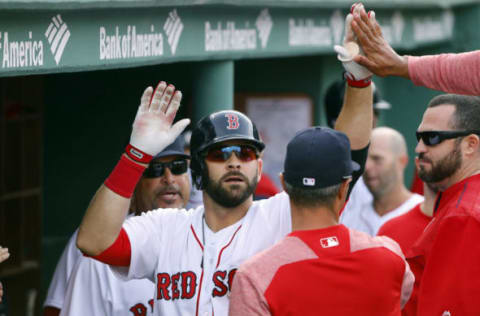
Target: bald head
point(390, 139)
point(386, 162)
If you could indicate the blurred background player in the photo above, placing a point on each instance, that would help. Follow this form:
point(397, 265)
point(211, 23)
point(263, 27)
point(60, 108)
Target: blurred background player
point(407, 228)
point(384, 178)
point(164, 184)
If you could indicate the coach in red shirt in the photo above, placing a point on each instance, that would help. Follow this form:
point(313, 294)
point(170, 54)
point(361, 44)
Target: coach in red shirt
point(446, 258)
point(322, 268)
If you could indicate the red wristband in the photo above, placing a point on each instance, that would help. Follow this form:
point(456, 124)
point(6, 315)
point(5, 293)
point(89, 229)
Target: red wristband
point(137, 155)
point(124, 177)
point(352, 82)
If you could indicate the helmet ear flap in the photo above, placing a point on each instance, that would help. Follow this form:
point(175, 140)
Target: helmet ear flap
point(198, 168)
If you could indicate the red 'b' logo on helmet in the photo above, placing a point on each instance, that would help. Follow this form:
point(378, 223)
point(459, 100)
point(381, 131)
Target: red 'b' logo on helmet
point(233, 122)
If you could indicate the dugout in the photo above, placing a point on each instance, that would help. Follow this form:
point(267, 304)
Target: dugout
point(72, 72)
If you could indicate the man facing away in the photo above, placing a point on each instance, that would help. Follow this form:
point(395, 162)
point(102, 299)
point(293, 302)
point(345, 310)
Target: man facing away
point(384, 170)
point(83, 286)
point(322, 268)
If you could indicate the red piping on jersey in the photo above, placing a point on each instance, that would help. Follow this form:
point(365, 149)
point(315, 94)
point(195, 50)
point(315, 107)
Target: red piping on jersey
point(201, 276)
point(199, 291)
point(221, 251)
point(195, 235)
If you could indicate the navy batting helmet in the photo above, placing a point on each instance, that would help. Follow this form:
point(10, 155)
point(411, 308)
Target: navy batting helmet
point(215, 128)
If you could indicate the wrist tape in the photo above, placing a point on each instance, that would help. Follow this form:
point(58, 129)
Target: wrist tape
point(362, 83)
point(124, 177)
point(137, 155)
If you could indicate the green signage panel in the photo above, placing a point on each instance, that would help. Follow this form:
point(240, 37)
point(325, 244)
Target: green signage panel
point(44, 41)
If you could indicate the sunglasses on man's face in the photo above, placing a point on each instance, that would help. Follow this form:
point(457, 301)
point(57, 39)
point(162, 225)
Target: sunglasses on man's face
point(157, 169)
point(244, 153)
point(432, 138)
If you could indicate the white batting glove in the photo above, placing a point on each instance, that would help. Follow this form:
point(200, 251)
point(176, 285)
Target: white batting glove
point(356, 75)
point(152, 129)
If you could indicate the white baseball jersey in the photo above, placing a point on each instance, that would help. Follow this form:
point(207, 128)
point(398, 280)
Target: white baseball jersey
point(58, 285)
point(193, 267)
point(94, 290)
point(360, 215)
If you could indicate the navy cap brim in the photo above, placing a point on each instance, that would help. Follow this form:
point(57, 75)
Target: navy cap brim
point(167, 153)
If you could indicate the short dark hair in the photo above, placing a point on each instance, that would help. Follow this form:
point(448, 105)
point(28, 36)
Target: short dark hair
point(467, 110)
point(308, 197)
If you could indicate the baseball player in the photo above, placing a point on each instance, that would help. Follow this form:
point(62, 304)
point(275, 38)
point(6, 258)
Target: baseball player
point(92, 289)
point(192, 256)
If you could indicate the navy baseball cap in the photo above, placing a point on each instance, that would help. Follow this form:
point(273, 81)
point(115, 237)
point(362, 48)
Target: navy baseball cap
point(318, 157)
point(177, 148)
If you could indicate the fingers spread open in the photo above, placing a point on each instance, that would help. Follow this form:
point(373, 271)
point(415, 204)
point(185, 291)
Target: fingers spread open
point(166, 97)
point(174, 105)
point(157, 96)
point(145, 99)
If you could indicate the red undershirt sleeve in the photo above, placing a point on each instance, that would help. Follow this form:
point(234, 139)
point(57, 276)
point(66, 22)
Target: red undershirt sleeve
point(119, 253)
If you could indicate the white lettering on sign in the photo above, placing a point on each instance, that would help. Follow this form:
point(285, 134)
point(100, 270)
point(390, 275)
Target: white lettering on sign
point(130, 44)
point(229, 38)
point(19, 54)
point(430, 29)
point(393, 29)
point(304, 32)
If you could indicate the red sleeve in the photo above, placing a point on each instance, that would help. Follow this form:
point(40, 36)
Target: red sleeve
point(453, 73)
point(246, 297)
point(119, 253)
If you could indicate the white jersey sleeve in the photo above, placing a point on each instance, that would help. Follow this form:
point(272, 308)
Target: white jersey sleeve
point(150, 236)
point(58, 285)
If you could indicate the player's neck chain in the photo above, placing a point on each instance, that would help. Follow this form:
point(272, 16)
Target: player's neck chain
point(203, 238)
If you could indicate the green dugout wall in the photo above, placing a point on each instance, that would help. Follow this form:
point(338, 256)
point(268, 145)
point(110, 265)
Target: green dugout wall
point(94, 58)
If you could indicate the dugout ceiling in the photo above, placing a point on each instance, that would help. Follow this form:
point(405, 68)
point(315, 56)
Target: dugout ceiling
point(38, 37)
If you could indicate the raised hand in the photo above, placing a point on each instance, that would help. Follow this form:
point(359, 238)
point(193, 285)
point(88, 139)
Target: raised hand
point(357, 75)
point(152, 129)
point(378, 56)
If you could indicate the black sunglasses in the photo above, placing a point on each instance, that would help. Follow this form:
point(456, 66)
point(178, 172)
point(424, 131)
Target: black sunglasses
point(432, 138)
point(157, 169)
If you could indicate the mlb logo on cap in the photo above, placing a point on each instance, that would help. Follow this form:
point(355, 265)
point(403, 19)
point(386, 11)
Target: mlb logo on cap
point(309, 182)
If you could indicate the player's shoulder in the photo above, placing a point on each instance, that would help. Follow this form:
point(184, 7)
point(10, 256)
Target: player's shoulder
point(363, 241)
point(279, 200)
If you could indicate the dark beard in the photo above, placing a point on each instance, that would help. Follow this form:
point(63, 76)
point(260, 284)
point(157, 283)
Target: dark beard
point(443, 168)
point(232, 198)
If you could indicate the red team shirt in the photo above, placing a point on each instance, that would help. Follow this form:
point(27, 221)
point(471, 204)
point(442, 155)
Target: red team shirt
point(446, 258)
point(330, 271)
point(407, 228)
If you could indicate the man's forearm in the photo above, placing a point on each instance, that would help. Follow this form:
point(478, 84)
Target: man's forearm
point(102, 221)
point(356, 116)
